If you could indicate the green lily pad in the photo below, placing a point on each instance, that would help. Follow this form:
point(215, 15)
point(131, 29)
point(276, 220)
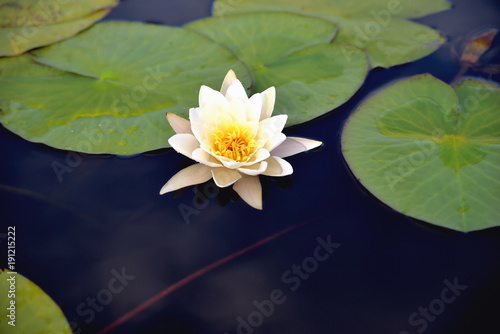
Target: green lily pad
point(23, 13)
point(35, 312)
point(27, 24)
point(379, 26)
point(96, 97)
point(293, 53)
point(430, 151)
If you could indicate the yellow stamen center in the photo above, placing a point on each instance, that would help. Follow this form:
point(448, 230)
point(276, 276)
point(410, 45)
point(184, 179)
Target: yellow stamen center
point(233, 141)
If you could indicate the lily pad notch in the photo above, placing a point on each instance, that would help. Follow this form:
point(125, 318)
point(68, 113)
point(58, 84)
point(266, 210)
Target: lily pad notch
point(430, 151)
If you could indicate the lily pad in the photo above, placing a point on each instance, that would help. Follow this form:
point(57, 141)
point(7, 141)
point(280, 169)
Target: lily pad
point(293, 53)
point(27, 24)
point(430, 151)
point(35, 312)
point(93, 96)
point(379, 26)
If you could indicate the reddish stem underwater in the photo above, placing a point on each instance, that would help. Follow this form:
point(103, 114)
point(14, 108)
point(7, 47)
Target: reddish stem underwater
point(129, 315)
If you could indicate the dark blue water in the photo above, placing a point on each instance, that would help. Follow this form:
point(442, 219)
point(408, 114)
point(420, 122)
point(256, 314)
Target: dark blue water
point(386, 274)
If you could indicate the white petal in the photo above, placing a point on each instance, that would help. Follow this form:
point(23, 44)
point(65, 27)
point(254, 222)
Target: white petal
point(275, 141)
point(179, 124)
point(269, 127)
point(210, 99)
point(195, 115)
point(278, 167)
point(294, 145)
point(237, 110)
point(224, 177)
point(254, 125)
point(258, 156)
point(228, 163)
point(228, 80)
point(254, 107)
point(188, 176)
point(203, 157)
point(236, 91)
point(197, 124)
point(184, 143)
point(256, 169)
point(273, 167)
point(250, 190)
point(269, 97)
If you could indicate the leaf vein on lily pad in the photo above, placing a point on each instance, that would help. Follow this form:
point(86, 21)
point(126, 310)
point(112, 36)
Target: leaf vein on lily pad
point(449, 177)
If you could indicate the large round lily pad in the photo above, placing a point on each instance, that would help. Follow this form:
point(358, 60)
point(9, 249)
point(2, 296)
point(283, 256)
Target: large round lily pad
point(32, 310)
point(293, 53)
point(27, 24)
point(379, 26)
point(96, 96)
point(430, 151)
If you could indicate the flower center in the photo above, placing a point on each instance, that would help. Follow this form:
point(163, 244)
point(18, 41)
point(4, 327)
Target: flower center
point(233, 141)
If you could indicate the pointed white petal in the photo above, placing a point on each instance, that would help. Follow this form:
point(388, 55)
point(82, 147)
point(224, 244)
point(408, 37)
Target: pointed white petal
point(209, 96)
point(278, 167)
point(195, 115)
point(273, 167)
point(210, 99)
point(274, 142)
point(224, 177)
point(228, 163)
point(228, 81)
point(203, 157)
point(188, 176)
point(260, 155)
point(269, 97)
point(254, 107)
point(294, 145)
point(237, 110)
point(269, 127)
point(254, 125)
point(184, 143)
point(236, 91)
point(179, 124)
point(250, 190)
point(197, 124)
point(256, 169)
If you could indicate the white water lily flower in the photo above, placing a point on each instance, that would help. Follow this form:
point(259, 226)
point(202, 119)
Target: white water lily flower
point(234, 139)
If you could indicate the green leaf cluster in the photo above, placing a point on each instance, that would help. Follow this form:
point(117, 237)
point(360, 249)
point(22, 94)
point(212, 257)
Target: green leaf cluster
point(381, 27)
point(107, 89)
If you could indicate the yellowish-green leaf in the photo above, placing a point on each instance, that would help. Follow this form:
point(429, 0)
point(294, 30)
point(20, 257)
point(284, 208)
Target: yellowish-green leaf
point(430, 151)
point(96, 97)
point(379, 26)
point(27, 309)
point(293, 53)
point(27, 24)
